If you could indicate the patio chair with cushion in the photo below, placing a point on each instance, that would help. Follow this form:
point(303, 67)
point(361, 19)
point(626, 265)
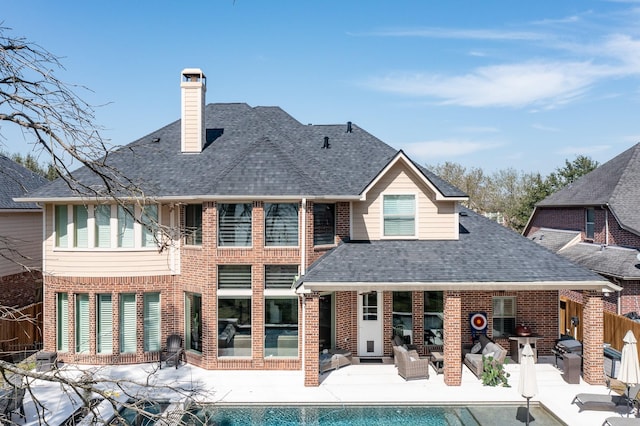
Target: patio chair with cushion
point(597, 401)
point(410, 365)
point(173, 353)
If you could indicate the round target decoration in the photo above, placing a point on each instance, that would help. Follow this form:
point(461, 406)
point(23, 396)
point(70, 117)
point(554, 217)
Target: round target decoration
point(478, 322)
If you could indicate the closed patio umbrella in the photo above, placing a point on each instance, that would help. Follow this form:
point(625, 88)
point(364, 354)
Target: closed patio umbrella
point(629, 367)
point(528, 384)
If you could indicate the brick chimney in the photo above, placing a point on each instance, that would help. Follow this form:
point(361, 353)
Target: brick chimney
point(193, 87)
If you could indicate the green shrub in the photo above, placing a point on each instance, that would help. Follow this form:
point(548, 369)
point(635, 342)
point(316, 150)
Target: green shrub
point(493, 373)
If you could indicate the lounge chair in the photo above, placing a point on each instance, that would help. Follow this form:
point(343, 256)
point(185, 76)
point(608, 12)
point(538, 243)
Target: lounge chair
point(596, 401)
point(410, 365)
point(621, 421)
point(173, 353)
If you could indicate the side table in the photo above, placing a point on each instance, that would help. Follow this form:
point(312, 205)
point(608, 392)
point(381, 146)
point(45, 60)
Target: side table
point(437, 362)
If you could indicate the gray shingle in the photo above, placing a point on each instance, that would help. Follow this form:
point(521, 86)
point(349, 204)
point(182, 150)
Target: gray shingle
point(615, 183)
point(17, 181)
point(554, 239)
point(260, 151)
point(612, 261)
point(485, 253)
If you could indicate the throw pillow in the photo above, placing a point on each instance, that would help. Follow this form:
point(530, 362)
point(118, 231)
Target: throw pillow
point(401, 348)
point(489, 348)
point(412, 358)
point(476, 348)
point(489, 354)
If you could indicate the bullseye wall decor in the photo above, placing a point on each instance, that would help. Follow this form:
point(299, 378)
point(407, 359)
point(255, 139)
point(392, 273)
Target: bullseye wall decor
point(478, 321)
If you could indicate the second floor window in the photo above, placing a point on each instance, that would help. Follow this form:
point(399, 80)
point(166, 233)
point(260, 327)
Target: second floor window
point(193, 224)
point(399, 213)
point(281, 224)
point(234, 225)
point(590, 223)
point(324, 224)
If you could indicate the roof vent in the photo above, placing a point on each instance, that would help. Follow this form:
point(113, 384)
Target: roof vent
point(463, 214)
point(326, 144)
point(155, 140)
point(349, 128)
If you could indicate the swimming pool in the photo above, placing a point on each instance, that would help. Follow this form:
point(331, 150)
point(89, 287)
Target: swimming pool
point(351, 415)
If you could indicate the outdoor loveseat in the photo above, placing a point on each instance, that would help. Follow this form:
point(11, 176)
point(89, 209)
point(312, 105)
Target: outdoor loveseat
point(485, 347)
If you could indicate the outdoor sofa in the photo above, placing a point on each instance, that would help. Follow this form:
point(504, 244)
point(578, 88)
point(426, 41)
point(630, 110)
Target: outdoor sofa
point(485, 347)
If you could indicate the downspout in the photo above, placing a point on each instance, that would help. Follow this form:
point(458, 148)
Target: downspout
point(303, 248)
point(44, 287)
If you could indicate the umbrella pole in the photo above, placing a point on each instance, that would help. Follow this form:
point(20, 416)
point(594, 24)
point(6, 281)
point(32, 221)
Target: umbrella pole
point(628, 400)
point(528, 411)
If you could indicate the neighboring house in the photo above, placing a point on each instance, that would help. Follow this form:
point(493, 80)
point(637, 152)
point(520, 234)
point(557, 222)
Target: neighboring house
point(284, 239)
point(594, 222)
point(20, 236)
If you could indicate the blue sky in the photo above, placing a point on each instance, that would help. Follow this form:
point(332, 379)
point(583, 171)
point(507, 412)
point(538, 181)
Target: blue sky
point(489, 84)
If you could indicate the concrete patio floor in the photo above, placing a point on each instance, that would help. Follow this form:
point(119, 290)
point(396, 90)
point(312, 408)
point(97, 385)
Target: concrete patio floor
point(353, 384)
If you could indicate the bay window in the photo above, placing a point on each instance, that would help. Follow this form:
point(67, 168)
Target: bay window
point(125, 226)
point(80, 223)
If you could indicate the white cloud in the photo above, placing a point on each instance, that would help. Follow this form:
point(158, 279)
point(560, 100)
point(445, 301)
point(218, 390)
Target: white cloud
point(583, 150)
point(542, 127)
point(429, 150)
point(457, 33)
point(513, 85)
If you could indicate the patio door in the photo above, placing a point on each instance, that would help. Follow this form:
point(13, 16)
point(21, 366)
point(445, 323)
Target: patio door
point(370, 324)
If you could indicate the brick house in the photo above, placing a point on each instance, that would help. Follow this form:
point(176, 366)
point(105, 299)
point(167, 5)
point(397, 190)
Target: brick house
point(20, 236)
point(594, 222)
point(285, 239)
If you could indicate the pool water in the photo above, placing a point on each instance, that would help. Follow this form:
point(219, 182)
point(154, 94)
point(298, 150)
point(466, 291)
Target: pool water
point(363, 415)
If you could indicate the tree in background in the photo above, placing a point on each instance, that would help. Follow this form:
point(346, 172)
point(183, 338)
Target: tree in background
point(30, 162)
point(511, 193)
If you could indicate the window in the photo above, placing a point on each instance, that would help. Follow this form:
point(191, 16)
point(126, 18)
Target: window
point(193, 321)
point(590, 223)
point(149, 225)
point(324, 224)
point(80, 218)
point(281, 327)
point(403, 315)
point(433, 318)
point(151, 322)
point(279, 276)
point(128, 323)
point(62, 320)
point(82, 323)
point(125, 226)
point(370, 306)
point(399, 215)
point(504, 316)
point(281, 224)
point(234, 276)
point(193, 224)
point(102, 215)
point(234, 225)
point(104, 337)
point(234, 326)
point(61, 226)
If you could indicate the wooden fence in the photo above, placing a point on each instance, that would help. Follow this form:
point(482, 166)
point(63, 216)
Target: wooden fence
point(21, 329)
point(615, 326)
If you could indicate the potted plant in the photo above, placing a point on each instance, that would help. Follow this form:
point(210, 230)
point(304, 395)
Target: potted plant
point(493, 373)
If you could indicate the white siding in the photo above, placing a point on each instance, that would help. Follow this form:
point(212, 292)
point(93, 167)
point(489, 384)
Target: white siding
point(436, 220)
point(107, 262)
point(24, 231)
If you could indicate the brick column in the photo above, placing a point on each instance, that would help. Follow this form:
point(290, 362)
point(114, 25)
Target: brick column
point(417, 298)
point(452, 338)
point(311, 339)
point(592, 340)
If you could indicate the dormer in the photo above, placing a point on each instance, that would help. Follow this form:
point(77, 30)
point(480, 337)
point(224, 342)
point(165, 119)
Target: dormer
point(193, 87)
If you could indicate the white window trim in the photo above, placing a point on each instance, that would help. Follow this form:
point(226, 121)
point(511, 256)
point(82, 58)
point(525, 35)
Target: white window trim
point(415, 222)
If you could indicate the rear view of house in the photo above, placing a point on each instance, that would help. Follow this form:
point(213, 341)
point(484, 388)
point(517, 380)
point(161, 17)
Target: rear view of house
point(263, 241)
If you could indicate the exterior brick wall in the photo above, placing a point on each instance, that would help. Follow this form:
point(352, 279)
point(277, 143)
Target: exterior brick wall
point(22, 289)
point(593, 355)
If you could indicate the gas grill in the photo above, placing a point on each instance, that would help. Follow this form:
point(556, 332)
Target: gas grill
point(567, 346)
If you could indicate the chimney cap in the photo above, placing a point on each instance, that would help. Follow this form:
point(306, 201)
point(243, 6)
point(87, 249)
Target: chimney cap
point(193, 74)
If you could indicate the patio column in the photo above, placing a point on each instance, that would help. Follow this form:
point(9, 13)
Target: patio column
point(452, 338)
point(311, 339)
point(592, 339)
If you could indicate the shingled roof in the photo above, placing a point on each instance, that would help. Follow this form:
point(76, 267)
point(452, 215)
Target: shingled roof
point(487, 256)
point(616, 184)
point(16, 181)
point(252, 152)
